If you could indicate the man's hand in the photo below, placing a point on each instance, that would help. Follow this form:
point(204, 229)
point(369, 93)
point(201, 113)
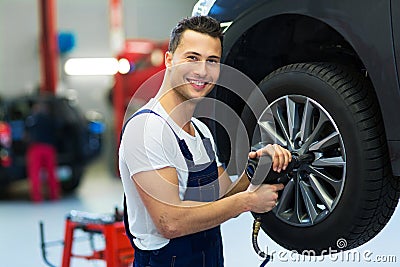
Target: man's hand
point(264, 198)
point(280, 156)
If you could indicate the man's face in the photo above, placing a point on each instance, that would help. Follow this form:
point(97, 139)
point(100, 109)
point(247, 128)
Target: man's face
point(194, 66)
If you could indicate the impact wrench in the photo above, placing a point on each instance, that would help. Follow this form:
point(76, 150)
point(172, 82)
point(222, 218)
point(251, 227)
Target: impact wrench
point(271, 178)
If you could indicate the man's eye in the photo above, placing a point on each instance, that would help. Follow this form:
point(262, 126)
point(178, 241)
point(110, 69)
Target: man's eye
point(192, 58)
point(213, 61)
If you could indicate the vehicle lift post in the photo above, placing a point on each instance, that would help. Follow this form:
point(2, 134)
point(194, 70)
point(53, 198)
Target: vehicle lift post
point(48, 46)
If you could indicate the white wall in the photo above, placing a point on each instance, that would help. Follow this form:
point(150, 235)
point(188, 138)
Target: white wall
point(154, 18)
point(89, 20)
point(19, 66)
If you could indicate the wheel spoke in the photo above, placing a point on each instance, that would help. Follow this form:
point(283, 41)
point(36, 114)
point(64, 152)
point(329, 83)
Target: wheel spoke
point(330, 140)
point(286, 197)
point(335, 183)
point(269, 128)
point(309, 201)
point(329, 162)
point(305, 128)
point(311, 139)
point(298, 211)
point(281, 122)
point(291, 117)
point(322, 194)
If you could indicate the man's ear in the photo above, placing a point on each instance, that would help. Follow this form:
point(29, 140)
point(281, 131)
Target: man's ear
point(168, 59)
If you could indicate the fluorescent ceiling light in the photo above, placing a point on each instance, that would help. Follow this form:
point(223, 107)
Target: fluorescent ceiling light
point(91, 66)
point(124, 66)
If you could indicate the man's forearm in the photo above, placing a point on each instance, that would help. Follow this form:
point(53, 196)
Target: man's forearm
point(240, 185)
point(192, 217)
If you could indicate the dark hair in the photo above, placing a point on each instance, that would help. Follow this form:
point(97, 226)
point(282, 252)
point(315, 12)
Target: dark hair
point(201, 24)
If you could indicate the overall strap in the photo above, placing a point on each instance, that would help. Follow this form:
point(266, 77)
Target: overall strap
point(126, 225)
point(206, 142)
point(198, 130)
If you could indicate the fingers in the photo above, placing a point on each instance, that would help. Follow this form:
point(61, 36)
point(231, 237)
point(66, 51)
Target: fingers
point(252, 154)
point(270, 206)
point(280, 156)
point(271, 187)
point(266, 197)
point(278, 187)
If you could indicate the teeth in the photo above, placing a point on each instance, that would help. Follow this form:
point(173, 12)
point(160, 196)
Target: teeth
point(198, 83)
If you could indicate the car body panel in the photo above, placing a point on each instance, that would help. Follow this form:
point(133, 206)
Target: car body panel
point(366, 26)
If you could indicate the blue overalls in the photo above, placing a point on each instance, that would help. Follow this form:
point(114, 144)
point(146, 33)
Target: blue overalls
point(202, 249)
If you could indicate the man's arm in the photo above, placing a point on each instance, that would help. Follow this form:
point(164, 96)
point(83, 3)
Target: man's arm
point(229, 188)
point(174, 217)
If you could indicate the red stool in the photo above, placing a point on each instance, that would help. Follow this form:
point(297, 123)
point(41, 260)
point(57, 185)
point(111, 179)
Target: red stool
point(118, 251)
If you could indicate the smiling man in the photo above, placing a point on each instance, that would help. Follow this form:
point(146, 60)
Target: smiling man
point(177, 192)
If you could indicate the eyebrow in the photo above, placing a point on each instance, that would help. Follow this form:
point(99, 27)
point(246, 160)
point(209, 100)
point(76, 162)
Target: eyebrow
point(198, 54)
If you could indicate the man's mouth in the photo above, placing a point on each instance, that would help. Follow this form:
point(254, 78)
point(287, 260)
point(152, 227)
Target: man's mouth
point(198, 84)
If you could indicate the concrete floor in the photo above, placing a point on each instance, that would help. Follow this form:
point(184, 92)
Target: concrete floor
point(100, 192)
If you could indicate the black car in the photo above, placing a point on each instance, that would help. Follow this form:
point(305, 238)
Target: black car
point(330, 72)
point(78, 139)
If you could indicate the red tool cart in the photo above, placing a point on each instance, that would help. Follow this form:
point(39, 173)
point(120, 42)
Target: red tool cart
point(117, 251)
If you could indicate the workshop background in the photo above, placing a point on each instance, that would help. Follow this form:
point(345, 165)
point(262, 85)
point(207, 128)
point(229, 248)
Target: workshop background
point(100, 191)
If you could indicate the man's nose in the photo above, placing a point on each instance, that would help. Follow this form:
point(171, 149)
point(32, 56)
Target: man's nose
point(201, 68)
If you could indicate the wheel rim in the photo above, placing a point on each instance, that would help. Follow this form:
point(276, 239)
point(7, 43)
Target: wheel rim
point(303, 126)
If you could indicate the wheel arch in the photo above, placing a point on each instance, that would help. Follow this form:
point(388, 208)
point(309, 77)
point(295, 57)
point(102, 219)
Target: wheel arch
point(272, 37)
point(286, 39)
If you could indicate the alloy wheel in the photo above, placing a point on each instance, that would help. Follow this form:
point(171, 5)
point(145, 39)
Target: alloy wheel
point(303, 126)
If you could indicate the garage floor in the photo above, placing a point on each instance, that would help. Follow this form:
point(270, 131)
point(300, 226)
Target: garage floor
point(100, 193)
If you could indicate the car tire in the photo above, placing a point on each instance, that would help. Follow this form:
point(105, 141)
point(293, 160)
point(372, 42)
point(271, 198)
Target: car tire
point(73, 182)
point(347, 194)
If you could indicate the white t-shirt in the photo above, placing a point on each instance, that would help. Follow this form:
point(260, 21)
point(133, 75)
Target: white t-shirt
point(148, 143)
